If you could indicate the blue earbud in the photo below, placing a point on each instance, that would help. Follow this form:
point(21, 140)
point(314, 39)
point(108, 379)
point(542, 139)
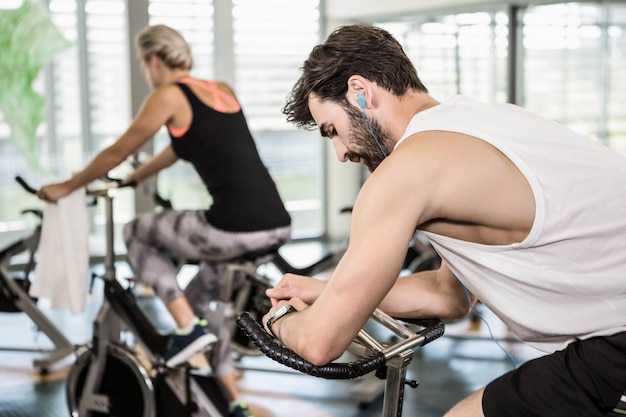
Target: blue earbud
point(360, 98)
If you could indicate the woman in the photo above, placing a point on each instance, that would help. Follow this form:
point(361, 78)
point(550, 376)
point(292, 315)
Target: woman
point(208, 129)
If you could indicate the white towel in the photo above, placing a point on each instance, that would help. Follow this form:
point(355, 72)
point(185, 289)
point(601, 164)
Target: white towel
point(61, 274)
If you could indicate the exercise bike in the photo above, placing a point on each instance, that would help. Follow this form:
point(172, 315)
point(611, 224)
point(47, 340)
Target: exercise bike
point(108, 377)
point(389, 360)
point(14, 297)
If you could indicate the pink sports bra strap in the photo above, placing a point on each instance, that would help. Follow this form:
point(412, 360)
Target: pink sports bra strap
point(177, 131)
point(220, 99)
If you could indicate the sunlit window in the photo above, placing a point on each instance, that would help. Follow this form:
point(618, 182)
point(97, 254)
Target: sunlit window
point(571, 61)
point(457, 54)
point(271, 40)
point(195, 20)
point(614, 82)
point(574, 55)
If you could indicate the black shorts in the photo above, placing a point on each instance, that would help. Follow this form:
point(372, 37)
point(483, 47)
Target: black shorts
point(586, 379)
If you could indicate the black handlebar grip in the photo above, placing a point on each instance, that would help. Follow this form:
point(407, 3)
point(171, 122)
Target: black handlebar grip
point(433, 328)
point(433, 332)
point(24, 185)
point(287, 357)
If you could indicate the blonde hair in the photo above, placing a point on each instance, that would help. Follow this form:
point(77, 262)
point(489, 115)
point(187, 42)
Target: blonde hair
point(167, 44)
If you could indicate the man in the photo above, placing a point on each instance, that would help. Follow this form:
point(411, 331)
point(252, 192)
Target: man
point(528, 217)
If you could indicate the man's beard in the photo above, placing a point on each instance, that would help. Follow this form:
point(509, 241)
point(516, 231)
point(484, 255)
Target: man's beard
point(365, 145)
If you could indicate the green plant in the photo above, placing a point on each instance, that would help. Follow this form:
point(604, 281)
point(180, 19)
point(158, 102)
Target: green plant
point(28, 39)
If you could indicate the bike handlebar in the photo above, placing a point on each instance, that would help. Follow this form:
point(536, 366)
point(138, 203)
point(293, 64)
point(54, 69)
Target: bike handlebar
point(25, 185)
point(434, 328)
point(108, 184)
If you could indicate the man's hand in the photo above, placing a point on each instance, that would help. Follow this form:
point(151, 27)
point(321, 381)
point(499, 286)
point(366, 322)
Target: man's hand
point(297, 303)
point(305, 288)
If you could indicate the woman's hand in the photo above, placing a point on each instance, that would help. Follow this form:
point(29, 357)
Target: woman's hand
point(51, 193)
point(131, 180)
point(305, 288)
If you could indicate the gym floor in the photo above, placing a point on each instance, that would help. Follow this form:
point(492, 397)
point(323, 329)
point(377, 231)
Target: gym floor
point(447, 370)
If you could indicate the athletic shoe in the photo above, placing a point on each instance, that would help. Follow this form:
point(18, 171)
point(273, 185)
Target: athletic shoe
point(181, 347)
point(240, 410)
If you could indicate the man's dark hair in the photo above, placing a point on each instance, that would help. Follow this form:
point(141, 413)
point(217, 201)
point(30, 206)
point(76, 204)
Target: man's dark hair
point(350, 50)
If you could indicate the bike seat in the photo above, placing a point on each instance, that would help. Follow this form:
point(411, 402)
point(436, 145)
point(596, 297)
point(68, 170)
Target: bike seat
point(257, 256)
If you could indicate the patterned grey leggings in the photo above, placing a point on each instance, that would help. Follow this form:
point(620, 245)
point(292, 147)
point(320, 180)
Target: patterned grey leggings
point(153, 239)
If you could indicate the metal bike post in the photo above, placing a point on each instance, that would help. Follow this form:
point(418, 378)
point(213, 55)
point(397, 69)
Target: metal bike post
point(91, 400)
point(394, 390)
point(112, 328)
point(109, 260)
point(106, 329)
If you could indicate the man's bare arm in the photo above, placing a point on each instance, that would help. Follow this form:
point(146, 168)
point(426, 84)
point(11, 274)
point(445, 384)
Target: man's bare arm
point(427, 294)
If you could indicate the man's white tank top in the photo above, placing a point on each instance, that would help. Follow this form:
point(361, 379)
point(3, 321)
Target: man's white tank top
point(567, 279)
